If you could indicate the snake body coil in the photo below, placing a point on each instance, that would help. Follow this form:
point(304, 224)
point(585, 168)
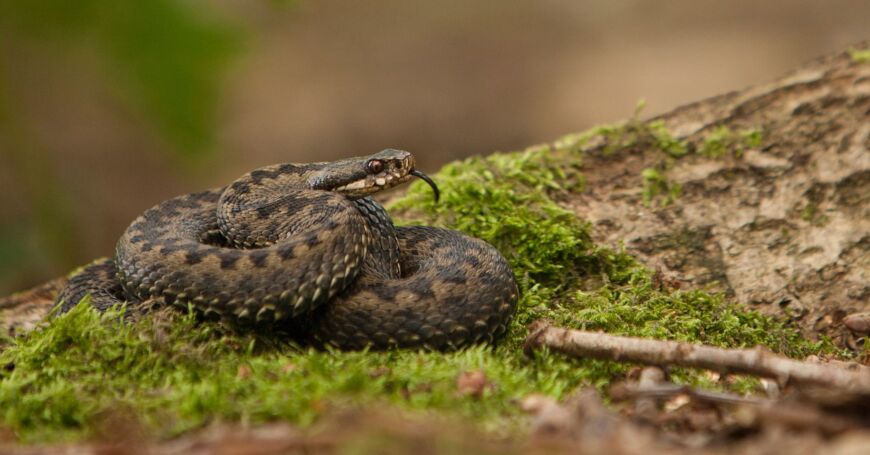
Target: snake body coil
point(302, 246)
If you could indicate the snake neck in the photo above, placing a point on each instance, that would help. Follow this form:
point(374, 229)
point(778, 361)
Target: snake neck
point(383, 258)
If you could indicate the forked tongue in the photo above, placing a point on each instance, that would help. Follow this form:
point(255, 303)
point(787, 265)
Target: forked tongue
point(429, 181)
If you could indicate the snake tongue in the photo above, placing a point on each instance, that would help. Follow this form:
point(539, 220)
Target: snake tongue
point(429, 181)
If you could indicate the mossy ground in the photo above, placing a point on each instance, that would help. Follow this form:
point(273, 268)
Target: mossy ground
point(172, 373)
point(859, 55)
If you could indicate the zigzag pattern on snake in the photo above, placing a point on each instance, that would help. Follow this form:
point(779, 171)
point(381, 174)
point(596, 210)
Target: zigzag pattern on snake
point(303, 247)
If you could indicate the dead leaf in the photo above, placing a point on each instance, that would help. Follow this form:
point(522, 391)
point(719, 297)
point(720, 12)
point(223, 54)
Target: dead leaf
point(472, 383)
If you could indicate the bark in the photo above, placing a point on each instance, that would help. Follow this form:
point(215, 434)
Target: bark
point(786, 226)
point(22, 312)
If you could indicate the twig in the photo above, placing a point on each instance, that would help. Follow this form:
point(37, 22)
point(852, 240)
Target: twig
point(749, 409)
point(756, 361)
point(667, 390)
point(649, 377)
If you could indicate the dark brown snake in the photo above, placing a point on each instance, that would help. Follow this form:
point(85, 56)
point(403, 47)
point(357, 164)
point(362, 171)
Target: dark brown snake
point(303, 248)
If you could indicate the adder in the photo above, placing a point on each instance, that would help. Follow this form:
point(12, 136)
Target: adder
point(304, 248)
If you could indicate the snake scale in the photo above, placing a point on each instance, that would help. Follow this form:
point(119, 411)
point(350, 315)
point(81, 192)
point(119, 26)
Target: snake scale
point(304, 248)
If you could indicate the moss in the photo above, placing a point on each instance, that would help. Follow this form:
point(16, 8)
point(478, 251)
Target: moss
point(859, 55)
point(808, 213)
point(655, 184)
point(664, 141)
point(813, 215)
point(174, 374)
point(654, 136)
point(751, 137)
point(633, 134)
point(722, 140)
point(717, 143)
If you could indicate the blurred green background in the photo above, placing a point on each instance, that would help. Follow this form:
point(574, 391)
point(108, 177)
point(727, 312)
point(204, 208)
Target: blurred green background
point(107, 108)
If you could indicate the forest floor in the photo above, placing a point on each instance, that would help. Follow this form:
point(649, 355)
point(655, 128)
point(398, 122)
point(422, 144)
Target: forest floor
point(736, 221)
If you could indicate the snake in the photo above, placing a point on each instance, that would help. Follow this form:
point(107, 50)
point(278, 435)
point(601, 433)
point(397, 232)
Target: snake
point(305, 249)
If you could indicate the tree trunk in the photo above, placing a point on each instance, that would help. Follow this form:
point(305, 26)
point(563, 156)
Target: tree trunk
point(784, 226)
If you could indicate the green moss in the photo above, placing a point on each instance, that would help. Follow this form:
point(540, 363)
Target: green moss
point(811, 214)
point(723, 140)
point(637, 134)
point(717, 144)
point(751, 138)
point(808, 213)
point(177, 374)
point(664, 141)
point(174, 374)
point(655, 184)
point(654, 136)
point(633, 134)
point(859, 55)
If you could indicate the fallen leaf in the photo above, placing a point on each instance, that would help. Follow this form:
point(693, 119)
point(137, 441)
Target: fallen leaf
point(472, 383)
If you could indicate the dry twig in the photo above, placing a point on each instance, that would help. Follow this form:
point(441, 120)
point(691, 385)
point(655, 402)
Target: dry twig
point(756, 361)
point(750, 411)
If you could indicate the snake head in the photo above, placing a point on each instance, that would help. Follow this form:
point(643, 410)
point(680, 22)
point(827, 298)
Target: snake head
point(364, 176)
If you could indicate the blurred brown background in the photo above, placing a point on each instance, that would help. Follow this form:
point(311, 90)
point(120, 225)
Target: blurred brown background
point(107, 110)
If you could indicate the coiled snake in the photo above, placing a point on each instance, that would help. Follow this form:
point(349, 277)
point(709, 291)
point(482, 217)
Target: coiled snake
point(303, 247)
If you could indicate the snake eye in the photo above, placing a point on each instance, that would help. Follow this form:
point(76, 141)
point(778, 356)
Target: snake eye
point(375, 166)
